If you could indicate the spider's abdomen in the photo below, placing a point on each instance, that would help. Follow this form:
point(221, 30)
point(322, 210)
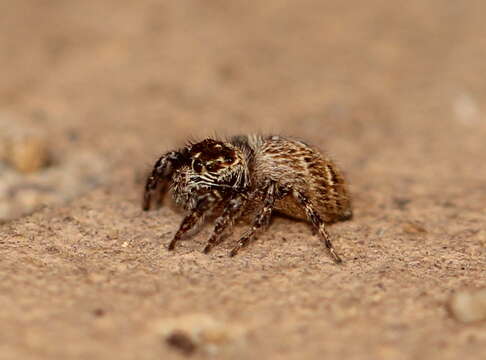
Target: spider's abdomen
point(297, 165)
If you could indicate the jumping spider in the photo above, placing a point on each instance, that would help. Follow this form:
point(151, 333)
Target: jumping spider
point(251, 176)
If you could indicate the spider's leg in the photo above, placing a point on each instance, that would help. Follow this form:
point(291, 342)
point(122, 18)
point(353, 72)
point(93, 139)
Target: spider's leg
point(318, 223)
point(162, 171)
point(230, 214)
point(203, 206)
point(262, 218)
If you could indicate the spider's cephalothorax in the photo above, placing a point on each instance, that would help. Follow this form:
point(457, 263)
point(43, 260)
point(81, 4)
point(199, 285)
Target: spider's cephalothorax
point(251, 176)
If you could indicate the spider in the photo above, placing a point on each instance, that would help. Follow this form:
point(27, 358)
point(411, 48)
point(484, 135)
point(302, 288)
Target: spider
point(249, 177)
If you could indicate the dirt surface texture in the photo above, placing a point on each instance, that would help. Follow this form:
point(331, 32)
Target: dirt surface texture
point(394, 91)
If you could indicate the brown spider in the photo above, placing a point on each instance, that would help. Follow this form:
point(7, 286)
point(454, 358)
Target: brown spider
point(251, 176)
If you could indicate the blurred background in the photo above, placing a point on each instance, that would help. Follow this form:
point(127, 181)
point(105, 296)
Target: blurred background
point(128, 80)
point(115, 83)
point(92, 92)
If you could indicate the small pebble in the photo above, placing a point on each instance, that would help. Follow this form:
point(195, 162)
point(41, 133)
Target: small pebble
point(413, 228)
point(29, 154)
point(30, 179)
point(200, 331)
point(99, 312)
point(182, 342)
point(468, 306)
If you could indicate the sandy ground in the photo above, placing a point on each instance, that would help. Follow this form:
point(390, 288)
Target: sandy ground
point(395, 91)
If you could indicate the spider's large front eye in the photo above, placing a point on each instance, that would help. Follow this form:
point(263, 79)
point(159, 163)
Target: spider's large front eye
point(212, 167)
point(229, 159)
point(197, 165)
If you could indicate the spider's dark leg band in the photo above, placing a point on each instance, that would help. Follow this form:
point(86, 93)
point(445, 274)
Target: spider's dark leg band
point(187, 224)
point(192, 219)
point(261, 219)
point(318, 224)
point(230, 213)
point(162, 170)
point(151, 184)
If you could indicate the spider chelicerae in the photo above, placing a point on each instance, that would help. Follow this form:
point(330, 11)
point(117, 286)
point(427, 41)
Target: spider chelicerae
point(249, 177)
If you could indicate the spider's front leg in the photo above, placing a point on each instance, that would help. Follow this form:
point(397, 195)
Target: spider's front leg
point(204, 205)
point(272, 193)
point(230, 214)
point(161, 172)
point(317, 222)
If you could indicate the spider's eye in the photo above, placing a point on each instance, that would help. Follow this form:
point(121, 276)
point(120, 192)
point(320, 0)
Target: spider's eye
point(228, 160)
point(211, 167)
point(197, 165)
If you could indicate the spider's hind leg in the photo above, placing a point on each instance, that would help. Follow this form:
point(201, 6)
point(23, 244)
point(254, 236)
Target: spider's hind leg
point(318, 223)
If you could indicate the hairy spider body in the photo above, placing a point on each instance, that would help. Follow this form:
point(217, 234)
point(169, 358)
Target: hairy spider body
point(250, 177)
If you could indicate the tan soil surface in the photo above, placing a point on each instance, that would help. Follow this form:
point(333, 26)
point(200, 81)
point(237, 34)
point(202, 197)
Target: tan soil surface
point(395, 91)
